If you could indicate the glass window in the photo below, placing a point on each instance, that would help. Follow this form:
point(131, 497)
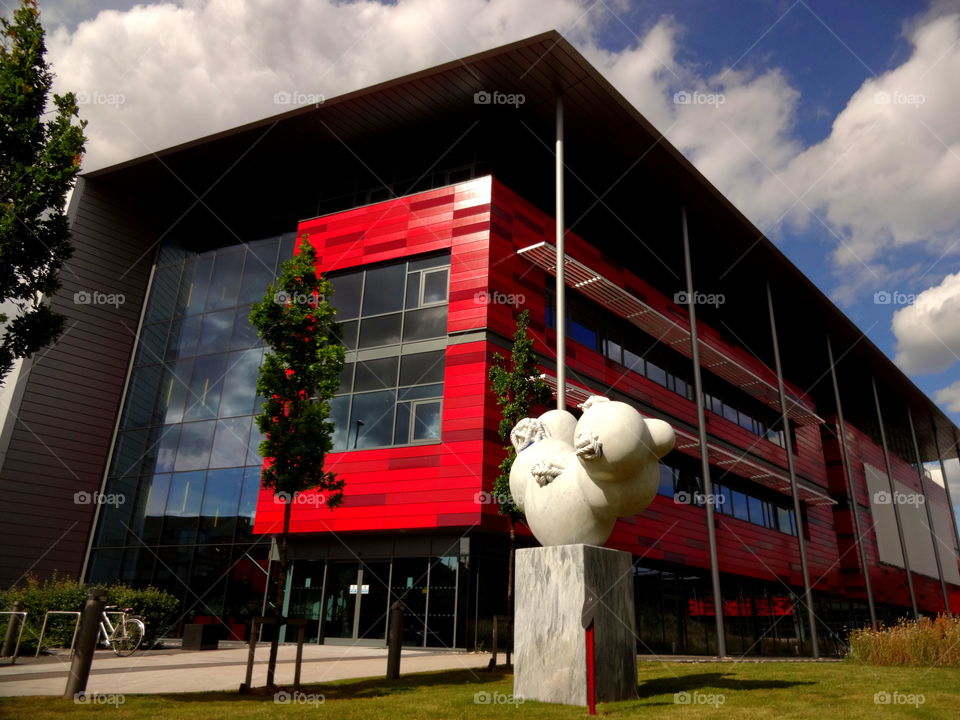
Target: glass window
point(151, 503)
point(215, 332)
point(184, 335)
point(130, 453)
point(248, 502)
point(348, 334)
point(118, 501)
point(183, 508)
point(418, 392)
point(666, 480)
point(634, 362)
point(387, 283)
point(755, 507)
point(657, 374)
point(346, 294)
point(166, 447)
point(426, 420)
point(422, 368)
point(203, 397)
point(253, 447)
point(195, 441)
point(785, 521)
point(583, 334)
point(218, 513)
point(378, 374)
point(339, 409)
point(371, 419)
point(259, 270)
point(428, 262)
point(423, 324)
point(413, 290)
point(613, 351)
point(225, 278)
point(198, 274)
point(723, 499)
point(152, 344)
point(730, 413)
point(383, 330)
point(435, 286)
point(739, 505)
point(240, 383)
point(244, 334)
point(142, 397)
point(230, 443)
point(346, 378)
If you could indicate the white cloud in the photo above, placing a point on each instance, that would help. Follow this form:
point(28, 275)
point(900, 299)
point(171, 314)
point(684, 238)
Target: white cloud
point(949, 397)
point(928, 330)
point(886, 178)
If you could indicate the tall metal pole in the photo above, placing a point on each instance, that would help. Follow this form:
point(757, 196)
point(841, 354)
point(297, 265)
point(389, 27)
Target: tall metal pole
point(926, 505)
point(788, 442)
point(893, 499)
point(561, 318)
point(842, 429)
point(702, 429)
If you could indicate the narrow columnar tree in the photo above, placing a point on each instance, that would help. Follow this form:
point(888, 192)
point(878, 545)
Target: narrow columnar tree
point(298, 377)
point(39, 162)
point(518, 388)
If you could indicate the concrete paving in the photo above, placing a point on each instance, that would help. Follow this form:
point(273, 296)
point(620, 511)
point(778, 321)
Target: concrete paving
point(175, 671)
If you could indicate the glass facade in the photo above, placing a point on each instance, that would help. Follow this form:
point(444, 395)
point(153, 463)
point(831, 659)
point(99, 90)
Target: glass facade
point(185, 458)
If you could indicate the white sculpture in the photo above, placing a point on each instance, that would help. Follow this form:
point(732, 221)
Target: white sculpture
point(573, 479)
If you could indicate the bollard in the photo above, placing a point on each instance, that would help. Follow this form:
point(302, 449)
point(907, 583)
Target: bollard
point(86, 644)
point(13, 630)
point(394, 641)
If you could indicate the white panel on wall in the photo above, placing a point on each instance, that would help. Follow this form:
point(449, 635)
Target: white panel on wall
point(943, 524)
point(884, 519)
point(913, 516)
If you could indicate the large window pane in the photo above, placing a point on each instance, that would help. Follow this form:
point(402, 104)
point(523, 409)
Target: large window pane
point(166, 447)
point(371, 419)
point(215, 332)
point(423, 324)
point(240, 383)
point(378, 374)
point(384, 330)
point(259, 270)
point(225, 279)
point(253, 447)
point(198, 274)
point(176, 389)
point(244, 334)
point(183, 508)
point(384, 289)
point(422, 368)
point(142, 396)
point(184, 335)
point(346, 295)
point(195, 441)
point(426, 420)
point(203, 398)
point(434, 286)
point(163, 293)
point(339, 410)
point(218, 513)
point(148, 514)
point(248, 502)
point(230, 443)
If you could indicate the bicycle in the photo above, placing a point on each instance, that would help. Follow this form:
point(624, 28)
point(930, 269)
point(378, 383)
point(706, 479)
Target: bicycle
point(125, 637)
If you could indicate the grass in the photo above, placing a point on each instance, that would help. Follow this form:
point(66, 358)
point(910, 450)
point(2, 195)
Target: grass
point(910, 642)
point(826, 691)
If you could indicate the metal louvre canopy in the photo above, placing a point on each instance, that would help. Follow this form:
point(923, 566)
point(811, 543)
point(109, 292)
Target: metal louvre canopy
point(611, 296)
point(727, 460)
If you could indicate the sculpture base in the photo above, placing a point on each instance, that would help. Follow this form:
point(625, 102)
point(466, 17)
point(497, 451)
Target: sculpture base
point(550, 641)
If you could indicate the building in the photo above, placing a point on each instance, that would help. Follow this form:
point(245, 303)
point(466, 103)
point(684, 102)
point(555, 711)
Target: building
point(431, 201)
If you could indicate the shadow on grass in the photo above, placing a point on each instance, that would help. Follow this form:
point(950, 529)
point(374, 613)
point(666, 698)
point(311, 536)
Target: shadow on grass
point(354, 689)
point(720, 681)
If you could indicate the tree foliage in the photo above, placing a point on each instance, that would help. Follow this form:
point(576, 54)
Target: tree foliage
point(39, 162)
point(518, 388)
point(299, 376)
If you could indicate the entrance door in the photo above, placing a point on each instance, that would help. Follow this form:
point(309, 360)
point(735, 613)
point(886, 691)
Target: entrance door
point(355, 605)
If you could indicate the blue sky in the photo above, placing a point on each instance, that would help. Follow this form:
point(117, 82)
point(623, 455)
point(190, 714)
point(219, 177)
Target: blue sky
point(861, 194)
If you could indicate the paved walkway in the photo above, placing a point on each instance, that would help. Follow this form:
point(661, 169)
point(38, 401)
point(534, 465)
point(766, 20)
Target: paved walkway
point(175, 670)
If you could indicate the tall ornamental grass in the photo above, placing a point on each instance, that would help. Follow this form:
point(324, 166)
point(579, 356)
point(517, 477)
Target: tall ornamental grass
point(910, 642)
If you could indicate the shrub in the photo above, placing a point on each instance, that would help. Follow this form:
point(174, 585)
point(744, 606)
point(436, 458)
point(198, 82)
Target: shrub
point(157, 608)
point(910, 642)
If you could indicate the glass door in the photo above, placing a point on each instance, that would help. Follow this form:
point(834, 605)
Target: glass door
point(374, 591)
point(305, 596)
point(340, 603)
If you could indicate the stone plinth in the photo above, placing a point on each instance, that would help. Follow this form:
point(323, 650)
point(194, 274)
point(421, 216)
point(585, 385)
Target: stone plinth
point(549, 639)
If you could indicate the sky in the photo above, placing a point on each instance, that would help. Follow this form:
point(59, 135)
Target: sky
point(833, 126)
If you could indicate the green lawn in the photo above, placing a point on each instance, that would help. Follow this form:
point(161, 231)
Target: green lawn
point(827, 691)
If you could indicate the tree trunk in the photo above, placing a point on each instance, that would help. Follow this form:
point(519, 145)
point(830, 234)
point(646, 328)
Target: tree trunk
point(279, 592)
point(510, 584)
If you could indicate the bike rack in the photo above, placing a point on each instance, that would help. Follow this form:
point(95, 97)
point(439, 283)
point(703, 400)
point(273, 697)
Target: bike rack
point(43, 628)
point(23, 623)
